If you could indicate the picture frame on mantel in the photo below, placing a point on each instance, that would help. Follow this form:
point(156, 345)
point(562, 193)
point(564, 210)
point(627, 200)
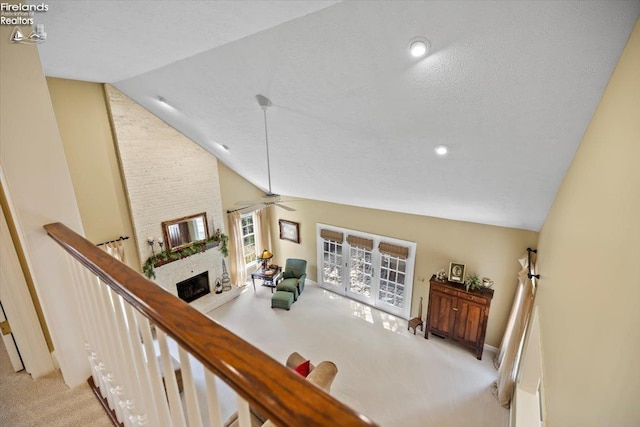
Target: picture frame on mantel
point(289, 230)
point(456, 272)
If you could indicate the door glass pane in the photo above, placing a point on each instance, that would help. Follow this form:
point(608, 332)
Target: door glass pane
point(392, 276)
point(332, 262)
point(360, 276)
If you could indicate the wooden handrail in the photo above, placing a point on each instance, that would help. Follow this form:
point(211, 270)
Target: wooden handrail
point(284, 396)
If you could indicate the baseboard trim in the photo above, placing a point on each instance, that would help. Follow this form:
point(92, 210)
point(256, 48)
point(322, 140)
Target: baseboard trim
point(105, 405)
point(490, 348)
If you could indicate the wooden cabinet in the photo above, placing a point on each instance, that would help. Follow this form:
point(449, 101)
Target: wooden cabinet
point(457, 314)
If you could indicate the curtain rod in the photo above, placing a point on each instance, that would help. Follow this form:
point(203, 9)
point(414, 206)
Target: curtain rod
point(113, 241)
point(241, 209)
point(529, 275)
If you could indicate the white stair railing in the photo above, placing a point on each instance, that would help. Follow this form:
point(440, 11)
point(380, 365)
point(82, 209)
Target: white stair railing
point(135, 332)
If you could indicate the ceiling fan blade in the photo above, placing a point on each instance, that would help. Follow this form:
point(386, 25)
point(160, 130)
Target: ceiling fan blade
point(287, 208)
point(250, 208)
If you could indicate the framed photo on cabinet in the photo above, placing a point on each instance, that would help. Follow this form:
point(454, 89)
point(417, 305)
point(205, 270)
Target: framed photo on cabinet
point(456, 272)
point(289, 230)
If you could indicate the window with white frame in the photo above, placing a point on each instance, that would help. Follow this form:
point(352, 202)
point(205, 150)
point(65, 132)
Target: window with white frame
point(249, 238)
point(376, 270)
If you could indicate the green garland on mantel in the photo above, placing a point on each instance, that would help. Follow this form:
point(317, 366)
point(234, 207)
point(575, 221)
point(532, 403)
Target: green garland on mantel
point(165, 257)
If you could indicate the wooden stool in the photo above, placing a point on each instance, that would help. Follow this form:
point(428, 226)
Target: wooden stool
point(414, 323)
point(417, 321)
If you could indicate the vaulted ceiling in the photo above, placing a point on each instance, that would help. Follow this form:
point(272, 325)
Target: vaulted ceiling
point(509, 87)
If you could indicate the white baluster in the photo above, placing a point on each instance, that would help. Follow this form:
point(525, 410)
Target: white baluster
point(193, 409)
point(128, 360)
point(177, 414)
point(155, 377)
point(213, 402)
point(81, 303)
point(91, 288)
point(244, 416)
point(142, 374)
point(105, 310)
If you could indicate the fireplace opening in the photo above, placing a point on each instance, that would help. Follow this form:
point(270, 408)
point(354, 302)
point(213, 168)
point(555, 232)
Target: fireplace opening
point(194, 287)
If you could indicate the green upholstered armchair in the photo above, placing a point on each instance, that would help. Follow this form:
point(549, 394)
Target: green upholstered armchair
point(293, 277)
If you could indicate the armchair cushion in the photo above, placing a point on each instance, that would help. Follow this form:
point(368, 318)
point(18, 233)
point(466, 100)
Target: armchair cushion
point(289, 285)
point(298, 266)
point(289, 275)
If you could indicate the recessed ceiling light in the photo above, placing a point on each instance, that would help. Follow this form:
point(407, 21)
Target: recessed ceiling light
point(441, 150)
point(222, 146)
point(419, 47)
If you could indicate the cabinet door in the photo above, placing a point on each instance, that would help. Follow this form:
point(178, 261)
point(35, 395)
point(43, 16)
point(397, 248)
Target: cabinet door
point(441, 315)
point(468, 325)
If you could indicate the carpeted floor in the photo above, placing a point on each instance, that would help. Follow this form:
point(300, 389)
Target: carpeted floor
point(47, 401)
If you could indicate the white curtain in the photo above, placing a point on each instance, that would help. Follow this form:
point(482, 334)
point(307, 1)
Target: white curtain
point(116, 250)
point(261, 230)
point(508, 357)
point(236, 250)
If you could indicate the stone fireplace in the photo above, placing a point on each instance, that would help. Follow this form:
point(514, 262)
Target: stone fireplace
point(194, 287)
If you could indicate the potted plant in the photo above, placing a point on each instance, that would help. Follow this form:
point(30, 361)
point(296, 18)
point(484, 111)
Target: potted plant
point(472, 282)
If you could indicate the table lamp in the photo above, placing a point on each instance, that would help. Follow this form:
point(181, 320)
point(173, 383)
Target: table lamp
point(265, 256)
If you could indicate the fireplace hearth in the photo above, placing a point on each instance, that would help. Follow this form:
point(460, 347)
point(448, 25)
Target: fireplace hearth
point(194, 287)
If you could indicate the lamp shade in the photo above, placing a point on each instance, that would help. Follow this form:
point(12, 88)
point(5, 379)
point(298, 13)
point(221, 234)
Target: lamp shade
point(266, 254)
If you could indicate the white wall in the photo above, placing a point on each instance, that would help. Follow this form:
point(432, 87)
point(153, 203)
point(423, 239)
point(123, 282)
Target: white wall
point(38, 184)
point(167, 176)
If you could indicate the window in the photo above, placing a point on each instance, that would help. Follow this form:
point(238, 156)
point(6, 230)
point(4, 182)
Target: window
point(392, 274)
point(249, 238)
point(372, 269)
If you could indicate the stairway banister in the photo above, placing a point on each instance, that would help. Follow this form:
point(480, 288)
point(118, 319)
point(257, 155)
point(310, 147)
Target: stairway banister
point(284, 396)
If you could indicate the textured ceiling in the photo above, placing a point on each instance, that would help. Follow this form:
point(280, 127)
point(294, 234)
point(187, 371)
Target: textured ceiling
point(510, 87)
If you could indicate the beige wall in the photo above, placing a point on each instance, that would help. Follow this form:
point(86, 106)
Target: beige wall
point(39, 188)
point(233, 188)
point(490, 251)
point(81, 113)
point(589, 249)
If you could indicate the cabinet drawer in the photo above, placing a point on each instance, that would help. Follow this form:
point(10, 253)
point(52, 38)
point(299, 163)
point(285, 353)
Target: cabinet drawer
point(470, 297)
point(443, 289)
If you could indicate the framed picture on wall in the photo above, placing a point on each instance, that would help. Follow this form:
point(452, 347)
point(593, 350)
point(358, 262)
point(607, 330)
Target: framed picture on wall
point(289, 230)
point(456, 272)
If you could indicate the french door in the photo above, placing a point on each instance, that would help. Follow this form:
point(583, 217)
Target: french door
point(375, 270)
point(360, 273)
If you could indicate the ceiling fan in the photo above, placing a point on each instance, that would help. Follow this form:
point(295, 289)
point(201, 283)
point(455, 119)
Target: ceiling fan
point(269, 197)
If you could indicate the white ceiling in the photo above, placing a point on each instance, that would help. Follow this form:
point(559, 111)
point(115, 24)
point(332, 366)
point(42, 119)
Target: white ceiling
point(510, 87)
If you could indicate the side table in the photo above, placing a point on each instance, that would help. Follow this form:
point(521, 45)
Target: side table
point(269, 277)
